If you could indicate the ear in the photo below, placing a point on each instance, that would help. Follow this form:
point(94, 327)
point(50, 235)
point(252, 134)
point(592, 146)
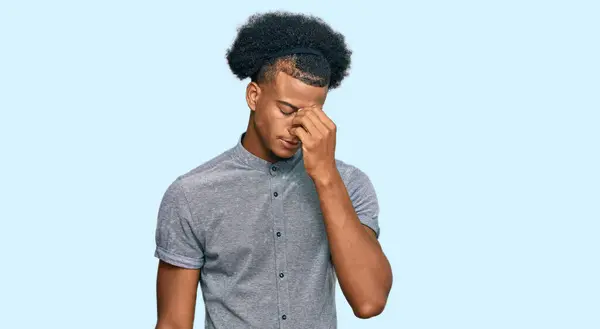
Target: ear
point(252, 95)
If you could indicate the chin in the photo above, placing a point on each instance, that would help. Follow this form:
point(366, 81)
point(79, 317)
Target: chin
point(283, 152)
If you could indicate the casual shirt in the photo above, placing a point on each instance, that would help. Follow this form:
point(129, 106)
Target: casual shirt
point(256, 231)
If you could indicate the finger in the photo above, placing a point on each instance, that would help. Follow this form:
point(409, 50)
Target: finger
point(302, 119)
point(300, 133)
point(323, 129)
point(324, 118)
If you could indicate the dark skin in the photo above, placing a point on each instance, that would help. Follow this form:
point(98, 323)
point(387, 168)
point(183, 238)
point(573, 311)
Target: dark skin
point(273, 106)
point(176, 290)
point(287, 114)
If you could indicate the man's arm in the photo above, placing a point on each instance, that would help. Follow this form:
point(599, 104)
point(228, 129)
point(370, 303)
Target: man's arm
point(181, 257)
point(176, 290)
point(363, 270)
point(364, 273)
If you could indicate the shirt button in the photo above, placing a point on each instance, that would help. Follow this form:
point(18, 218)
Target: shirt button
point(275, 194)
point(278, 234)
point(281, 275)
point(284, 317)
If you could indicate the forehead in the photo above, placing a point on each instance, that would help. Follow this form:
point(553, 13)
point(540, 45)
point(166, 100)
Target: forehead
point(296, 92)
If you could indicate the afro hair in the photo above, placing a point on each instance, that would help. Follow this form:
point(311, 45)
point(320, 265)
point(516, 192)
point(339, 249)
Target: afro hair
point(254, 53)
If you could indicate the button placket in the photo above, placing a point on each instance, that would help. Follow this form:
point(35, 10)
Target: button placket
point(280, 247)
point(274, 170)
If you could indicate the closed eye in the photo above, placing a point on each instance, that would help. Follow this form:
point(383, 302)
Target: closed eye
point(287, 105)
point(285, 113)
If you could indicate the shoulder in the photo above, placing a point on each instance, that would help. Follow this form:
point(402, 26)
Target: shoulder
point(362, 194)
point(358, 184)
point(351, 174)
point(204, 173)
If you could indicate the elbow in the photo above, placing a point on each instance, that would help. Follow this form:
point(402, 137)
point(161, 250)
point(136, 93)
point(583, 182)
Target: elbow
point(371, 306)
point(369, 310)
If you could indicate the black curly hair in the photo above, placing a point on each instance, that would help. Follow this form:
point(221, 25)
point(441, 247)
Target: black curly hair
point(302, 46)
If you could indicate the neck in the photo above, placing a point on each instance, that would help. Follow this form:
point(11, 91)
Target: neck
point(255, 145)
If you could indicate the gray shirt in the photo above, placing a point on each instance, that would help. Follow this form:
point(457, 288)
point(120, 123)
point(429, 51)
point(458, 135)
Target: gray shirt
point(256, 231)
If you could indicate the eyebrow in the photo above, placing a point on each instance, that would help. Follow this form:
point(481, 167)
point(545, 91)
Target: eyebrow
point(295, 108)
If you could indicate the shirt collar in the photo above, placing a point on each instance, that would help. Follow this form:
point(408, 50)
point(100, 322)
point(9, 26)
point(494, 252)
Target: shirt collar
point(243, 155)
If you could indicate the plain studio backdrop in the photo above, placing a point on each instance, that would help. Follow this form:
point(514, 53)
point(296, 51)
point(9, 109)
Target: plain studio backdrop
point(477, 121)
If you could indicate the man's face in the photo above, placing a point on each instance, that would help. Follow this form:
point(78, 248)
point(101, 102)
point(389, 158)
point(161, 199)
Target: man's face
point(275, 106)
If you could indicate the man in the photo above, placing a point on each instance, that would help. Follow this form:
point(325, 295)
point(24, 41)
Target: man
point(268, 225)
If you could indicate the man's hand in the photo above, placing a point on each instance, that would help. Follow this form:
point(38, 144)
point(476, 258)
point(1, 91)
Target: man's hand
point(317, 132)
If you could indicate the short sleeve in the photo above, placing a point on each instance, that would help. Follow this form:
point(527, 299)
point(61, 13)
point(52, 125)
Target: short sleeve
point(364, 199)
point(177, 240)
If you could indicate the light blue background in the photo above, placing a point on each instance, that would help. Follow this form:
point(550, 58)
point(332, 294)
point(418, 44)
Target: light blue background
point(477, 121)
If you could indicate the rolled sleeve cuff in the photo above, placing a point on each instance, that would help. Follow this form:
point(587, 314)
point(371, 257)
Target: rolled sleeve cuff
point(371, 223)
point(178, 260)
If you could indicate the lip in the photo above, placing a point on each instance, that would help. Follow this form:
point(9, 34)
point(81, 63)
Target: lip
point(289, 144)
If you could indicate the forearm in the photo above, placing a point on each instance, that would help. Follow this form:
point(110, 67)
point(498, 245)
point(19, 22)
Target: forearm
point(362, 268)
point(167, 325)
